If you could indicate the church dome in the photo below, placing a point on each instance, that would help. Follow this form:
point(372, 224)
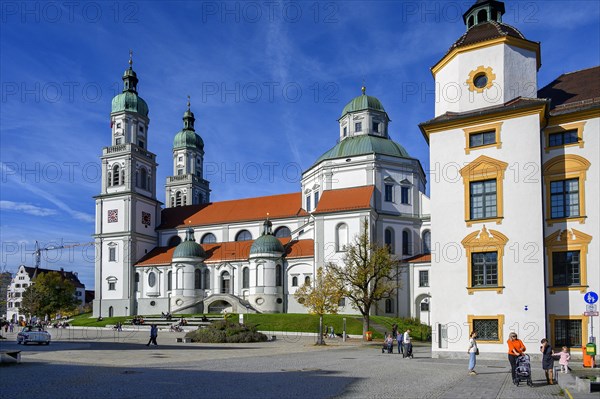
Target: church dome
point(267, 242)
point(189, 248)
point(188, 139)
point(361, 103)
point(362, 145)
point(129, 101)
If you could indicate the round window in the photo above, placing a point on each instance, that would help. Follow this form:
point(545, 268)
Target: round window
point(279, 300)
point(152, 303)
point(480, 81)
point(260, 301)
point(152, 279)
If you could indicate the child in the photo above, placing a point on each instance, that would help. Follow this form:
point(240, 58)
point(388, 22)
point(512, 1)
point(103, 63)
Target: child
point(388, 344)
point(564, 360)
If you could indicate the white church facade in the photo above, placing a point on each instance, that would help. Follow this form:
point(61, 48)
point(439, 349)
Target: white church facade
point(252, 254)
point(514, 220)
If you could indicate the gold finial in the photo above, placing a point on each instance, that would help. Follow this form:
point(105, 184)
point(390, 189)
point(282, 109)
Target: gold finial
point(188, 103)
point(130, 58)
point(363, 89)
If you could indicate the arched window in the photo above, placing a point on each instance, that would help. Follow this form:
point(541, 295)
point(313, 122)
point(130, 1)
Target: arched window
point(197, 278)
point(109, 182)
point(427, 242)
point(225, 282)
point(143, 179)
point(178, 198)
point(307, 280)
point(389, 239)
point(482, 16)
point(389, 306)
point(151, 279)
point(206, 279)
point(243, 235)
point(169, 280)
point(406, 242)
point(137, 281)
point(471, 21)
point(208, 238)
point(295, 281)
point(116, 174)
point(172, 202)
point(111, 311)
point(282, 232)
point(278, 282)
point(174, 241)
point(341, 236)
point(246, 278)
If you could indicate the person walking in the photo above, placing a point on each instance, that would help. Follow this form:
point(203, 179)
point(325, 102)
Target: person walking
point(473, 351)
point(400, 339)
point(153, 335)
point(516, 348)
point(547, 361)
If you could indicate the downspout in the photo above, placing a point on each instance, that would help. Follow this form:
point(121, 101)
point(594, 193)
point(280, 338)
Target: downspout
point(544, 262)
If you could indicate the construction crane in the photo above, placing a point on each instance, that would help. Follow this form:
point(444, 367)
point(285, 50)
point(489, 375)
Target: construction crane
point(38, 251)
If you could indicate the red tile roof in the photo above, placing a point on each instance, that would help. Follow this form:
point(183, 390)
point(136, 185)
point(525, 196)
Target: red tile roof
point(423, 258)
point(247, 209)
point(345, 199)
point(228, 251)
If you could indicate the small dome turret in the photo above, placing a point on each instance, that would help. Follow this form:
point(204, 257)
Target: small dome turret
point(363, 102)
point(267, 243)
point(129, 100)
point(189, 248)
point(187, 137)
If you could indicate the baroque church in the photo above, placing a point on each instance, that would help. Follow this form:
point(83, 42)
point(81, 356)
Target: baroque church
point(507, 243)
point(252, 254)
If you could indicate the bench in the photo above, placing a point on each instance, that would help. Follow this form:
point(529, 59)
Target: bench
point(10, 356)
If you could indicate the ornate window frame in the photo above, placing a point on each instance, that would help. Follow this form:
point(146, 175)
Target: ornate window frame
point(495, 127)
point(564, 167)
point(484, 168)
point(568, 240)
point(484, 241)
point(499, 317)
point(563, 128)
point(481, 70)
point(584, 328)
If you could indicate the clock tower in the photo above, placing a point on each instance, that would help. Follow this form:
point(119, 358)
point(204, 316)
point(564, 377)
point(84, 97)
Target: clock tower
point(127, 210)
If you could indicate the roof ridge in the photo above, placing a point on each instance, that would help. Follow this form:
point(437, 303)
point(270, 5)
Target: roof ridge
point(577, 71)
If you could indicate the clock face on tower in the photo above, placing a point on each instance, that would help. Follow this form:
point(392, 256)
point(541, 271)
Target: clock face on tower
point(146, 219)
point(113, 215)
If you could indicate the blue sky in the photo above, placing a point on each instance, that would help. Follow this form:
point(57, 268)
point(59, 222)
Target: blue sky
point(267, 82)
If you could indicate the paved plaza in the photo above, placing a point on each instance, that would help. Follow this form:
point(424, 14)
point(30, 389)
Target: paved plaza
point(100, 363)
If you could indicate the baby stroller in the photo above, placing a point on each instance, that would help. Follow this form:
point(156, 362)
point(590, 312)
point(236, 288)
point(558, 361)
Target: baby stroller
point(388, 346)
point(523, 370)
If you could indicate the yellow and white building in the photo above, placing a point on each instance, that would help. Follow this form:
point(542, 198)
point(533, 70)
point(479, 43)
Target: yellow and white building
point(514, 196)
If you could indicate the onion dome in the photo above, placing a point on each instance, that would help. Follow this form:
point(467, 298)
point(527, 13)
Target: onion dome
point(188, 138)
point(267, 243)
point(363, 102)
point(189, 248)
point(129, 100)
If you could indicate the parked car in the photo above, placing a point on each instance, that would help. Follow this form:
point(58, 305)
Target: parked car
point(33, 334)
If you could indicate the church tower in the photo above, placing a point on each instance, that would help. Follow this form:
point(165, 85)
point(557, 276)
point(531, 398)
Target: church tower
point(127, 210)
point(187, 186)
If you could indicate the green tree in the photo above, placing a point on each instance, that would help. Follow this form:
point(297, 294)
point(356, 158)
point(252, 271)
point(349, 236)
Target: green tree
point(368, 274)
point(48, 295)
point(321, 298)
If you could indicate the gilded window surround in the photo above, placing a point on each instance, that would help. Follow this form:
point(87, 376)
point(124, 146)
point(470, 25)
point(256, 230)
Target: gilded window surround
point(484, 168)
point(484, 241)
point(563, 128)
point(564, 167)
point(499, 317)
point(568, 240)
point(481, 70)
point(584, 328)
point(480, 129)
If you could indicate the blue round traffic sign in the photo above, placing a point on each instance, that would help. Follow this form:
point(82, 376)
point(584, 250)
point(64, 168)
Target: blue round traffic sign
point(590, 297)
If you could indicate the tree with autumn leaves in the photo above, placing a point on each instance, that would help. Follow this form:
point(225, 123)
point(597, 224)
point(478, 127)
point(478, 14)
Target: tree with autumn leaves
point(49, 294)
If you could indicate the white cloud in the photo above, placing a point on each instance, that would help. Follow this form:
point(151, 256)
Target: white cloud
point(26, 208)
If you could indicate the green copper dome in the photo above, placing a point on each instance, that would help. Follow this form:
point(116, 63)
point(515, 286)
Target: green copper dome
point(266, 243)
point(189, 248)
point(129, 101)
point(361, 103)
point(188, 139)
point(362, 145)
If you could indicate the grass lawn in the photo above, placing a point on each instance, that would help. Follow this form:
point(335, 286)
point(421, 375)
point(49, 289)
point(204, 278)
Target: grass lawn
point(292, 322)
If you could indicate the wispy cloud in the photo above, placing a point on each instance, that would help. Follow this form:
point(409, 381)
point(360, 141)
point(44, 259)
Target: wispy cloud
point(26, 208)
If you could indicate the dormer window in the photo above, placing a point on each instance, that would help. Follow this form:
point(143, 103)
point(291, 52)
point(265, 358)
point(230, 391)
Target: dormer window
point(375, 127)
point(358, 127)
point(140, 143)
point(345, 131)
